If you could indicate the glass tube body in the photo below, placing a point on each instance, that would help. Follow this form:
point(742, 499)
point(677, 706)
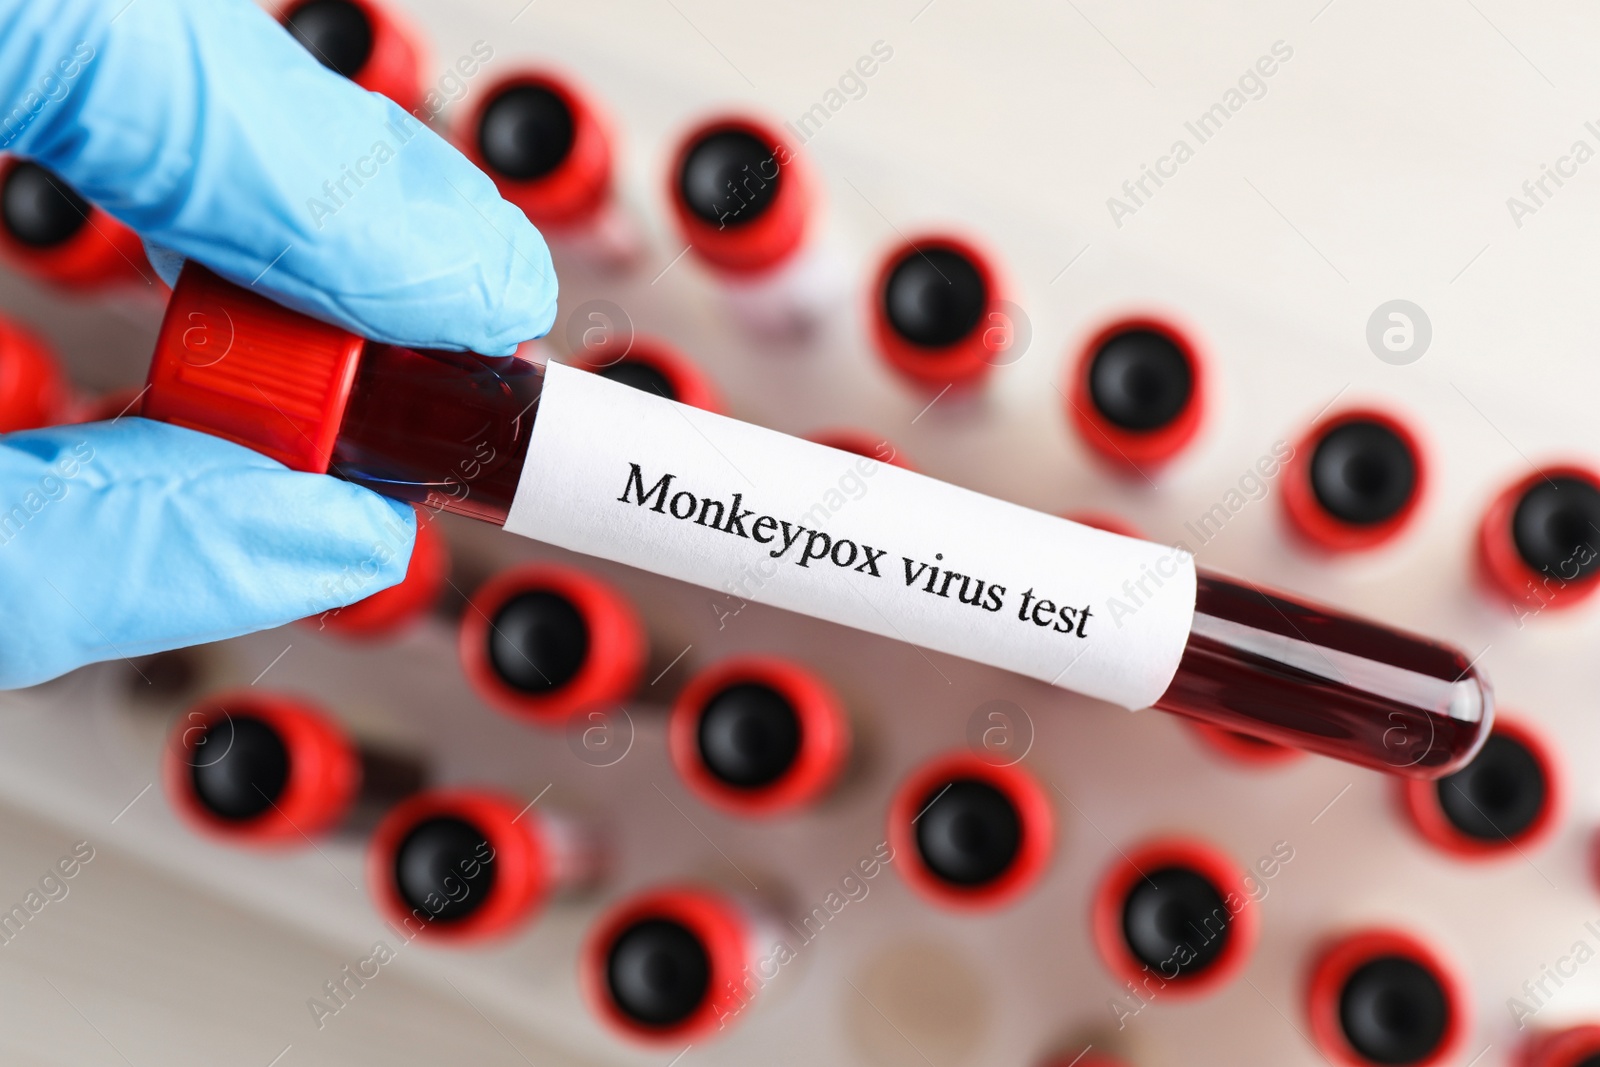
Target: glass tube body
point(446, 430)
point(1277, 668)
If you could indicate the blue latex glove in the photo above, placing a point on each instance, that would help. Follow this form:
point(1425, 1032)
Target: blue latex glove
point(133, 536)
point(207, 129)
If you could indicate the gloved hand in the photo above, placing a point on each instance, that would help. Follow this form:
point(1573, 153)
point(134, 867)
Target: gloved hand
point(207, 129)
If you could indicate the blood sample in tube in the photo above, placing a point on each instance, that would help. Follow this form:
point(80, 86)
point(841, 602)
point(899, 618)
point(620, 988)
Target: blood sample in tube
point(106, 407)
point(594, 466)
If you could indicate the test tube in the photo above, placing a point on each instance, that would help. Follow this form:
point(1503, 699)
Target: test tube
point(1174, 916)
point(1536, 544)
point(104, 407)
point(633, 477)
point(1505, 803)
point(544, 642)
point(1278, 668)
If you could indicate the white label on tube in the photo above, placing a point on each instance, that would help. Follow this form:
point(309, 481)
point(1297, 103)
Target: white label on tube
point(616, 472)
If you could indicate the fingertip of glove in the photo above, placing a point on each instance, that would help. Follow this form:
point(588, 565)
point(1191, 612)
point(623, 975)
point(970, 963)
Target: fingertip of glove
point(524, 305)
point(387, 542)
point(406, 515)
point(165, 262)
point(406, 512)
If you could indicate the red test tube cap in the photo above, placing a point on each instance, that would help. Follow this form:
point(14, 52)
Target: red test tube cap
point(371, 44)
point(1574, 1046)
point(1382, 996)
point(1194, 879)
point(33, 391)
point(231, 363)
point(933, 812)
point(462, 865)
point(1536, 548)
point(1355, 481)
point(1504, 803)
point(668, 965)
point(260, 768)
point(758, 736)
point(543, 642)
point(545, 145)
point(1137, 393)
point(938, 312)
point(50, 232)
point(742, 195)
